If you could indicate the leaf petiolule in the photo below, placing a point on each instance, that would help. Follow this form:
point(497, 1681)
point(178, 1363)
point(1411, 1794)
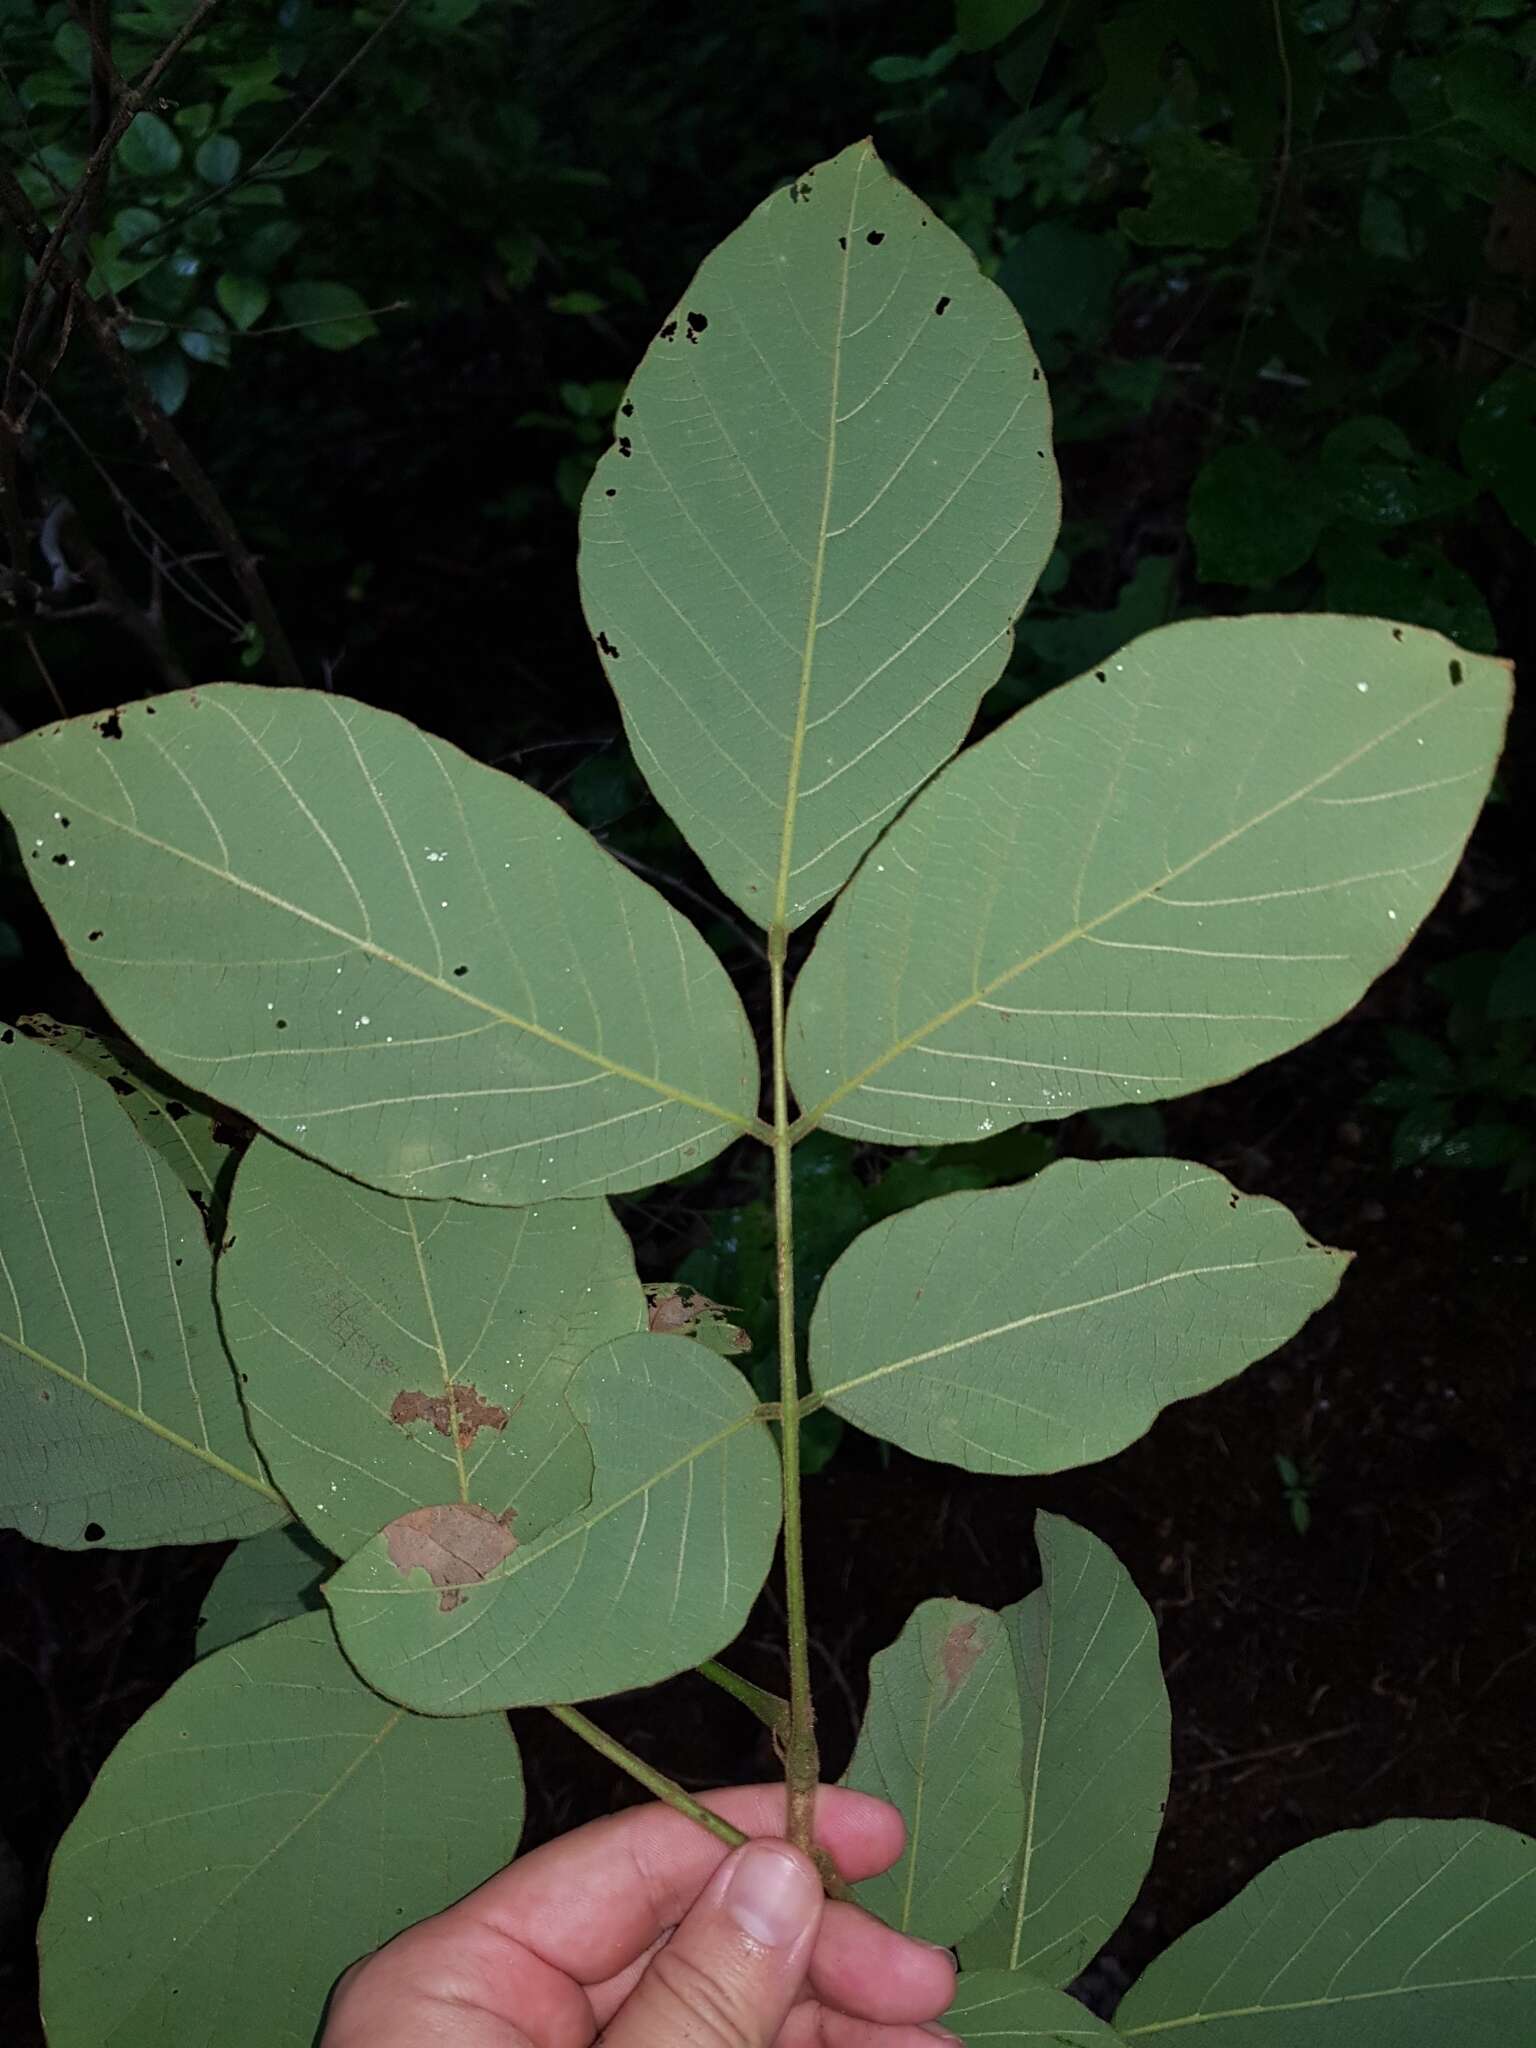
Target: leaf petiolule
point(399, 1355)
point(1033, 1328)
point(657, 1571)
point(1412, 1934)
point(393, 958)
point(1156, 877)
point(1095, 1759)
point(263, 1826)
point(941, 1741)
point(120, 1423)
point(829, 494)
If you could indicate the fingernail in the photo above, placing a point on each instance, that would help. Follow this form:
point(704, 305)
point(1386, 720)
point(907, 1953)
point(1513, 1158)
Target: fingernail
point(941, 2033)
point(771, 1896)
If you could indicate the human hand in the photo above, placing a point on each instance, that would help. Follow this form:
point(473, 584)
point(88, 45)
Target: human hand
point(646, 1932)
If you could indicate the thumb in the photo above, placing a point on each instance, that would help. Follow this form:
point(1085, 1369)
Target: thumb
point(735, 1966)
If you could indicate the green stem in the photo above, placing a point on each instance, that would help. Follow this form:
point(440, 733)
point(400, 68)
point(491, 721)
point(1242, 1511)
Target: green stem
point(655, 1782)
point(767, 1706)
point(802, 1764)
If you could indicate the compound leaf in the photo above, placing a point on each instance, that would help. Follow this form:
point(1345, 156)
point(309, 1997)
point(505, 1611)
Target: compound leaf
point(830, 494)
point(1412, 1934)
point(941, 1741)
point(448, 1611)
point(395, 959)
point(1034, 1328)
point(1156, 877)
point(1096, 1759)
point(395, 1355)
point(264, 1825)
point(120, 1423)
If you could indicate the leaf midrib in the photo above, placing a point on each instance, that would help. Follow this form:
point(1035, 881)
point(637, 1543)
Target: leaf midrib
point(459, 994)
point(1086, 927)
point(818, 571)
point(1047, 1315)
point(1244, 2012)
point(207, 1457)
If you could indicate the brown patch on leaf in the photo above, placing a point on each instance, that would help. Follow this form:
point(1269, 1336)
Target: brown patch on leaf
point(677, 1311)
point(458, 1413)
point(962, 1651)
point(457, 1546)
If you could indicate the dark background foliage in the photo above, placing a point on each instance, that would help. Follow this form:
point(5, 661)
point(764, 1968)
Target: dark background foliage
point(1278, 259)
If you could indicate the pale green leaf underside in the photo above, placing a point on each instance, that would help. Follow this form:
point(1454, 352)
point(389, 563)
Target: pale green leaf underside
point(829, 497)
point(118, 1409)
point(265, 1825)
point(1154, 878)
point(1413, 1934)
point(176, 1122)
point(395, 959)
point(999, 2007)
point(941, 1741)
point(267, 1579)
point(398, 1354)
point(656, 1572)
point(1096, 1759)
point(1033, 1328)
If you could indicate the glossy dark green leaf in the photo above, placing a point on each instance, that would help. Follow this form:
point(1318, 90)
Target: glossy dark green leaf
point(1200, 195)
point(1498, 444)
point(332, 316)
point(149, 148)
point(1253, 516)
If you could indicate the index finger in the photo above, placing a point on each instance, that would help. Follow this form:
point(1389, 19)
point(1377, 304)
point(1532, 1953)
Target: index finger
point(592, 1902)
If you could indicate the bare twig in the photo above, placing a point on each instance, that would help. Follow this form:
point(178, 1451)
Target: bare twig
point(131, 102)
point(159, 432)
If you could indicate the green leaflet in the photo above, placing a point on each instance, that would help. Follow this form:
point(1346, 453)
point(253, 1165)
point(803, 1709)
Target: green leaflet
point(941, 1741)
point(1004, 2006)
point(177, 1123)
point(266, 1824)
point(1096, 1759)
point(119, 1419)
point(830, 493)
point(395, 1354)
point(268, 1578)
point(1413, 1934)
point(1033, 1328)
point(1156, 877)
point(656, 1572)
point(401, 962)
